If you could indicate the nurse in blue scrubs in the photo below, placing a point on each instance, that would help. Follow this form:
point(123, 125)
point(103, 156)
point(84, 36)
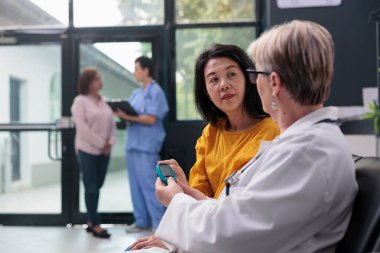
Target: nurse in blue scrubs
point(145, 135)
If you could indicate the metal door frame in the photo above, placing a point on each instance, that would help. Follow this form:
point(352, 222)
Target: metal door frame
point(154, 35)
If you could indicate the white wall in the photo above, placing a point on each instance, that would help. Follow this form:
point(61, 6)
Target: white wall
point(35, 66)
point(362, 145)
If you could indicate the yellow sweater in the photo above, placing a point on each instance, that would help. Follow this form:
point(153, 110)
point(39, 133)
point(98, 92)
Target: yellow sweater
point(219, 153)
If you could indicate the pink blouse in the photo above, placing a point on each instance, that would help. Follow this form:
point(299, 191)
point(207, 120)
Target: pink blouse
point(94, 124)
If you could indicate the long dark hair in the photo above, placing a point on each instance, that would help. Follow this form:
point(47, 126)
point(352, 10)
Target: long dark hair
point(251, 103)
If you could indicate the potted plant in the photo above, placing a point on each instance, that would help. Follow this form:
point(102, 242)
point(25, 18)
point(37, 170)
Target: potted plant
point(374, 114)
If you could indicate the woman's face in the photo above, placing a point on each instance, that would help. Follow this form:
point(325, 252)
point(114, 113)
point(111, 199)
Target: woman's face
point(225, 84)
point(96, 84)
point(264, 89)
point(140, 73)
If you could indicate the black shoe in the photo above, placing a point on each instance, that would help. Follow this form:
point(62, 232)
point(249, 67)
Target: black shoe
point(90, 229)
point(102, 234)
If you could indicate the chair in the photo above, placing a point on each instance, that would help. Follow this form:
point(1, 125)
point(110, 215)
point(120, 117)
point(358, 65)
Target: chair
point(363, 230)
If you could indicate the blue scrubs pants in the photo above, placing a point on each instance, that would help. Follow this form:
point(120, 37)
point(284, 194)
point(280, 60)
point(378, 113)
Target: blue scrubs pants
point(94, 168)
point(141, 168)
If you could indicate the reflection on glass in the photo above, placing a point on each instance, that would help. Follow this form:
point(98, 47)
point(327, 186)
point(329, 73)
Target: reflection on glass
point(200, 11)
point(116, 63)
point(90, 13)
point(29, 74)
point(189, 44)
point(30, 183)
point(34, 13)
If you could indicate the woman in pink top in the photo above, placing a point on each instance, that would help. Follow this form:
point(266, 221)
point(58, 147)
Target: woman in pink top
point(95, 134)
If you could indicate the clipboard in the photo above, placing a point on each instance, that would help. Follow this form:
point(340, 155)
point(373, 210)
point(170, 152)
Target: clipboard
point(123, 105)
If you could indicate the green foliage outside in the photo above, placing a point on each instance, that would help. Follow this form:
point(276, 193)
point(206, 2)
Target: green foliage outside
point(196, 11)
point(146, 49)
point(141, 12)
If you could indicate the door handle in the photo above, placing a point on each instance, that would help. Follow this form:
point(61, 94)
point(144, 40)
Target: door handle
point(56, 156)
point(60, 124)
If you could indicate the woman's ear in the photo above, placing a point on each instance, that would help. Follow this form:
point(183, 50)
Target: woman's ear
point(275, 83)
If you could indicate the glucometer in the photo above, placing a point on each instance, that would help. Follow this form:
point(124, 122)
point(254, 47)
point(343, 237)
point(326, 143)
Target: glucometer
point(164, 171)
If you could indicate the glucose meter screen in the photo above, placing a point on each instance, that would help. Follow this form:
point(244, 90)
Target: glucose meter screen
point(165, 170)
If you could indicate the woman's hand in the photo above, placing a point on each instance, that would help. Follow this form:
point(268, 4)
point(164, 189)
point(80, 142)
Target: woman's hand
point(106, 150)
point(165, 193)
point(147, 242)
point(178, 171)
point(182, 181)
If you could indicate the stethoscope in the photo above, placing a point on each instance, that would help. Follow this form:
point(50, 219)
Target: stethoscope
point(233, 179)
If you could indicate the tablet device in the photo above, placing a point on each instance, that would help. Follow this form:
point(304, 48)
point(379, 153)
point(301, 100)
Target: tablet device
point(123, 105)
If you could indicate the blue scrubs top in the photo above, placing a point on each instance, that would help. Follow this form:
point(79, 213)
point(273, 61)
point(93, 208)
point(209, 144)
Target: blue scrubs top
point(147, 138)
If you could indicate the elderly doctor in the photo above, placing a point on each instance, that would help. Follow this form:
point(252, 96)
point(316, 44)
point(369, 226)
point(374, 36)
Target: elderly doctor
point(296, 195)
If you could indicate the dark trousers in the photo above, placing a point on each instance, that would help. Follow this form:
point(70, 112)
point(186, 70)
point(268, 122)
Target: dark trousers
point(94, 168)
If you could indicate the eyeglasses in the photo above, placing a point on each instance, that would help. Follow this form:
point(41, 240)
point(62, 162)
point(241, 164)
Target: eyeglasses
point(253, 74)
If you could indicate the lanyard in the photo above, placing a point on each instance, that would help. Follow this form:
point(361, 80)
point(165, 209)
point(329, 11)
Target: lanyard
point(233, 179)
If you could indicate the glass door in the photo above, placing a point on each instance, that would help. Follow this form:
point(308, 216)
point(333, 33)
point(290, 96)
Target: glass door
point(115, 61)
point(30, 142)
point(40, 182)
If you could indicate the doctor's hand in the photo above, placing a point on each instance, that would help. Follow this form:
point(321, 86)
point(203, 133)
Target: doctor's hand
point(147, 242)
point(178, 171)
point(187, 189)
point(165, 193)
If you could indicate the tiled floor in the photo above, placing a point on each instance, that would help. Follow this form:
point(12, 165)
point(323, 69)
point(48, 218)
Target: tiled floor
point(114, 197)
point(63, 240)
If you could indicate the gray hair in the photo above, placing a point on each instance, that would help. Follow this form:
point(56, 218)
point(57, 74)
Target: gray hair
point(302, 54)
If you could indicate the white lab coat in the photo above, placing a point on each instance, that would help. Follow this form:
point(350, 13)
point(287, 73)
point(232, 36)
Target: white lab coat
point(296, 197)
